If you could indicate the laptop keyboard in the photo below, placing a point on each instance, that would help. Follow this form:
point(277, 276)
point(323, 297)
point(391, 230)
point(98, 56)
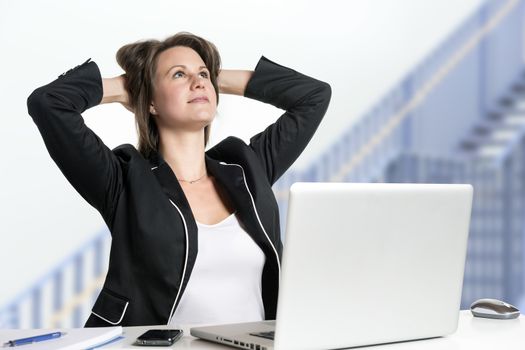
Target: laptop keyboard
point(268, 335)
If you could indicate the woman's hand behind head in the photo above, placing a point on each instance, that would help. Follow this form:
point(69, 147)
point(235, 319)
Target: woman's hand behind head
point(114, 90)
point(124, 97)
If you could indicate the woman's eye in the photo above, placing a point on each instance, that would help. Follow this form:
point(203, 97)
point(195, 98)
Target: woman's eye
point(204, 74)
point(178, 74)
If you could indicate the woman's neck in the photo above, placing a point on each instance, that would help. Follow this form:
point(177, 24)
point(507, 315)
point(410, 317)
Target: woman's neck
point(184, 152)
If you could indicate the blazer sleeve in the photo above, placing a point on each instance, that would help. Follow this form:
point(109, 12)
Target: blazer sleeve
point(87, 163)
point(305, 101)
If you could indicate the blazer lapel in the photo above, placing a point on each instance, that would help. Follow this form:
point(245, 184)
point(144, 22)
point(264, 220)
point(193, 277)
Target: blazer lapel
point(173, 190)
point(231, 178)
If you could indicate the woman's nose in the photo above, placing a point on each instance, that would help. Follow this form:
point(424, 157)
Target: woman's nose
point(197, 81)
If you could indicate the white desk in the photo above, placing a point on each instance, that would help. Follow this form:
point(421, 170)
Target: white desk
point(472, 333)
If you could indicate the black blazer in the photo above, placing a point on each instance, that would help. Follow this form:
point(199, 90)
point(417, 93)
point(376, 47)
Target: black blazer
point(154, 234)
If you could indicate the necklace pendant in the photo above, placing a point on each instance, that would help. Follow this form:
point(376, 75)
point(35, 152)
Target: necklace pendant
point(191, 182)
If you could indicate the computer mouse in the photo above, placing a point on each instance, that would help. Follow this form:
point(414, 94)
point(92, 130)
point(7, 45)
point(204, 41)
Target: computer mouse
point(493, 308)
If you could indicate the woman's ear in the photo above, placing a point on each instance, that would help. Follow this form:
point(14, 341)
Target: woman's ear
point(152, 109)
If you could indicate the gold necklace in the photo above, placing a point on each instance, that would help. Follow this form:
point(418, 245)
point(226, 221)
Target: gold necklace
point(192, 181)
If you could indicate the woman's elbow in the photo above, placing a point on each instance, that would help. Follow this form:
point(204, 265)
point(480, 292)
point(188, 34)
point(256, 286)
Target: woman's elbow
point(327, 92)
point(38, 103)
point(324, 95)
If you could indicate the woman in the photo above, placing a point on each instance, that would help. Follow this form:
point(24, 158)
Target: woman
point(195, 233)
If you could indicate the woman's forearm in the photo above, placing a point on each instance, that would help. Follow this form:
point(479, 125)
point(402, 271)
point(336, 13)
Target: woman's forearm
point(113, 90)
point(234, 81)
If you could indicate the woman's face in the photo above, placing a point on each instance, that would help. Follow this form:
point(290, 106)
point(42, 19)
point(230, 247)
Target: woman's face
point(184, 96)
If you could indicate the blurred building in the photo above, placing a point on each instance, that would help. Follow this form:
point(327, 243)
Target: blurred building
point(459, 117)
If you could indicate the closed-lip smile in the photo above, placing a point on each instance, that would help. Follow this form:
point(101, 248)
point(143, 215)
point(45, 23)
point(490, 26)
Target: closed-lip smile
point(199, 99)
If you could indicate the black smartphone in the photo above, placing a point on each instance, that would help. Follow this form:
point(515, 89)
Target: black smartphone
point(159, 337)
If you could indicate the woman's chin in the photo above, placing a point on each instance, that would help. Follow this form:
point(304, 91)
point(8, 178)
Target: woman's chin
point(204, 118)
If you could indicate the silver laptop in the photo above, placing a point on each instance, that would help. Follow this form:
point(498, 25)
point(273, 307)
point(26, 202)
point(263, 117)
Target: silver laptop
point(364, 264)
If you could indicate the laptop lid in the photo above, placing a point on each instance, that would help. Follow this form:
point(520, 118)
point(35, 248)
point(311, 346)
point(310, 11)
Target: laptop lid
point(364, 264)
point(371, 263)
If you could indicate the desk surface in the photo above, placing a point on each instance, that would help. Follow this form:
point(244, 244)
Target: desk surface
point(472, 333)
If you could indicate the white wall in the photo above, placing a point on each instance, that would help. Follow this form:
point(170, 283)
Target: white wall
point(361, 47)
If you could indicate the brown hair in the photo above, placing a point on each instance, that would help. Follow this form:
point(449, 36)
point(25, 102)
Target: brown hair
point(139, 61)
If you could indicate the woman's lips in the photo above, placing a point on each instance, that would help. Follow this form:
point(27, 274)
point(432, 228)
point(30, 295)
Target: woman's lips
point(199, 99)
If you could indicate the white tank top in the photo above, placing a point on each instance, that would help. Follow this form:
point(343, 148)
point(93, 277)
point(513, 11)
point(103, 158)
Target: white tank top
point(225, 284)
